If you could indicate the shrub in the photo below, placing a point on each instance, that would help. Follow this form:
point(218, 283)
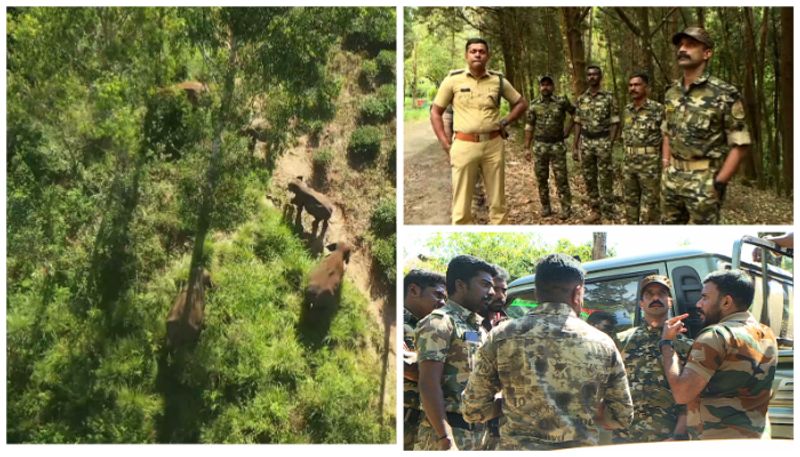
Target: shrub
point(365, 144)
point(385, 66)
point(383, 251)
point(384, 219)
point(379, 107)
point(369, 71)
point(322, 161)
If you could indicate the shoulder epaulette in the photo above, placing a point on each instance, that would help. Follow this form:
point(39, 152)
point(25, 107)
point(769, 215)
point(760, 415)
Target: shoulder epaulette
point(456, 72)
point(722, 84)
point(496, 73)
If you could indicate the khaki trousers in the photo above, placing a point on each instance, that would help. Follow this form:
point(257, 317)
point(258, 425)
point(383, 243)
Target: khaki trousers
point(466, 159)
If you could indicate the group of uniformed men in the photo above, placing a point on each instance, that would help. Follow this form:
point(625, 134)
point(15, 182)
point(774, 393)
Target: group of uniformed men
point(679, 156)
point(477, 380)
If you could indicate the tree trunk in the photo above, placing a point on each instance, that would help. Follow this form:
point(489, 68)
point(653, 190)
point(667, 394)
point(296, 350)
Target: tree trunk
point(599, 249)
point(753, 165)
point(787, 99)
point(572, 28)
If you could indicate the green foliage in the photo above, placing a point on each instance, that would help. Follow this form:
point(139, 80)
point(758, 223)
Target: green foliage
point(516, 252)
point(383, 229)
point(371, 31)
point(369, 71)
point(112, 175)
point(383, 221)
point(322, 160)
point(386, 62)
point(365, 144)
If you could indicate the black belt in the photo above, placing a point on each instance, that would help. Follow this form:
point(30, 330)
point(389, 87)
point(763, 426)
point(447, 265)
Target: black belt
point(548, 139)
point(457, 421)
point(595, 135)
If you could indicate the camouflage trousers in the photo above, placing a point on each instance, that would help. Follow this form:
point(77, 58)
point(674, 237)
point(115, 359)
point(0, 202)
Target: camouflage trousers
point(642, 188)
point(545, 155)
point(597, 173)
point(410, 428)
point(688, 197)
point(465, 440)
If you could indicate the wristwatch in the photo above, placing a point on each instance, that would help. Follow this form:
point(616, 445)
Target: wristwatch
point(663, 343)
point(503, 122)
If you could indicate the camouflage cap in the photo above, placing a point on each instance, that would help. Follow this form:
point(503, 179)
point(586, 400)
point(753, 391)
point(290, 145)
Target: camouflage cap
point(655, 279)
point(543, 77)
point(698, 33)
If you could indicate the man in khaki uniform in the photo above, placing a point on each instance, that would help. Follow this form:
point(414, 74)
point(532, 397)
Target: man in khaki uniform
point(475, 94)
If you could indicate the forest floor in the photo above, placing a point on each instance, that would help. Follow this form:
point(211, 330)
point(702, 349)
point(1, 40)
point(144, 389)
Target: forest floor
point(353, 193)
point(428, 192)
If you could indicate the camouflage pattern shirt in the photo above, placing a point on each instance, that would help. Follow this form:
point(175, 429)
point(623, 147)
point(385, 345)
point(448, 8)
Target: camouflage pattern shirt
point(410, 390)
point(706, 120)
point(451, 335)
point(642, 126)
point(655, 412)
point(738, 356)
point(546, 116)
point(554, 370)
point(596, 112)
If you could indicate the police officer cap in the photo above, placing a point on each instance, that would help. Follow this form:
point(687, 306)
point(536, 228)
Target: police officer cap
point(655, 279)
point(698, 33)
point(543, 77)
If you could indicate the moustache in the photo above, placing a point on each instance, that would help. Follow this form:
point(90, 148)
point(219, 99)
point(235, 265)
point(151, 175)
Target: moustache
point(654, 302)
point(683, 55)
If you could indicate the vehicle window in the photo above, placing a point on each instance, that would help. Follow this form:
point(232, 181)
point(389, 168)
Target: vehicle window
point(616, 296)
point(520, 304)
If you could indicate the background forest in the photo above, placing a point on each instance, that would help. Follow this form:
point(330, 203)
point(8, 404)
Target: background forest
point(124, 182)
point(754, 48)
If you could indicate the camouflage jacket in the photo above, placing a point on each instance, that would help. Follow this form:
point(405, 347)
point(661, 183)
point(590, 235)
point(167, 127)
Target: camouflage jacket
point(706, 120)
point(452, 335)
point(554, 370)
point(655, 412)
point(410, 391)
point(546, 116)
point(642, 127)
point(596, 112)
point(738, 356)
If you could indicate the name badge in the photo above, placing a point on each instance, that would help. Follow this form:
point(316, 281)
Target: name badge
point(472, 337)
point(465, 89)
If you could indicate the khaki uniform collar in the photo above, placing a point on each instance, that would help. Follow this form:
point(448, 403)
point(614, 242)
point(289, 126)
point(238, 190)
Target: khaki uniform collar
point(485, 74)
point(740, 316)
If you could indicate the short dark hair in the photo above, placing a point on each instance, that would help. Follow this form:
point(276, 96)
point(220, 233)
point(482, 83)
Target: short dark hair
point(556, 274)
point(422, 278)
point(735, 283)
point(599, 316)
point(474, 41)
point(502, 273)
point(589, 67)
point(465, 267)
point(640, 74)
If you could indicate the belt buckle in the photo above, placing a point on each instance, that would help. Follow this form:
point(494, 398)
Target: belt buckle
point(484, 137)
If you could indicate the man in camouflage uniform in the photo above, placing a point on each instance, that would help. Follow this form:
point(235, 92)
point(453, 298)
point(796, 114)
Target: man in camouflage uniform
point(447, 341)
point(641, 134)
point(727, 380)
point(560, 377)
point(424, 291)
point(596, 124)
point(546, 126)
point(705, 135)
point(475, 93)
point(656, 416)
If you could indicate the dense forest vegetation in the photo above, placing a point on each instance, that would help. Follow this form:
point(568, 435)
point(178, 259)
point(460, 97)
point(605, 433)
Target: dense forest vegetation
point(754, 49)
point(141, 143)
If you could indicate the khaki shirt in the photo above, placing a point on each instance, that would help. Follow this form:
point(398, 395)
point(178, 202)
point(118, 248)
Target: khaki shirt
point(706, 120)
point(475, 100)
